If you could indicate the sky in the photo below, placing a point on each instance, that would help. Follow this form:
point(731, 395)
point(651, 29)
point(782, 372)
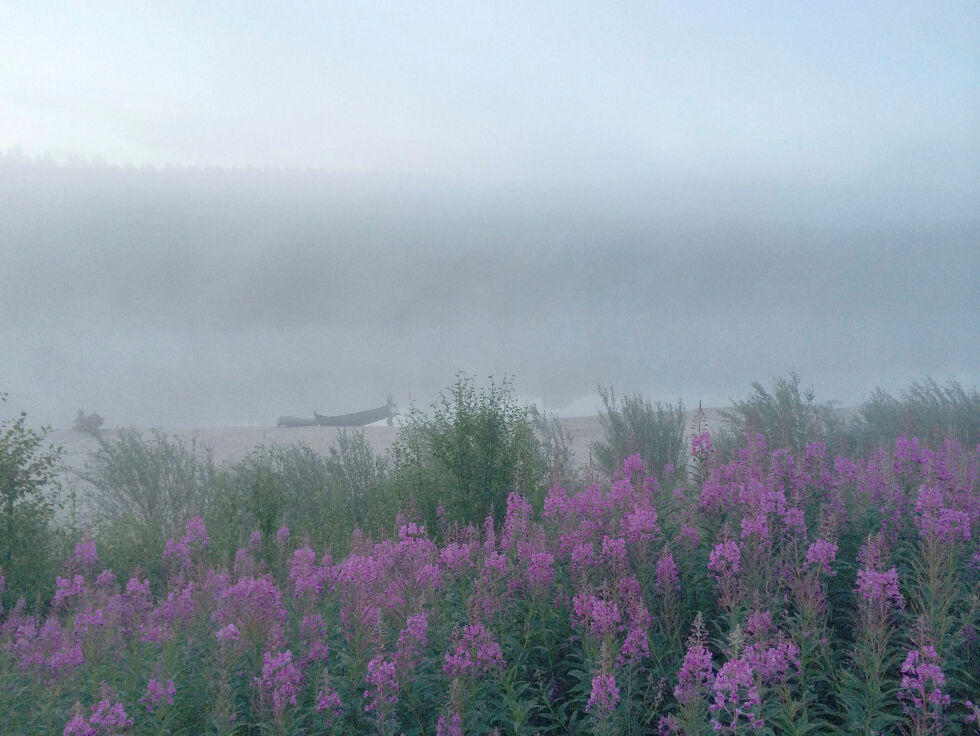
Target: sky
point(217, 213)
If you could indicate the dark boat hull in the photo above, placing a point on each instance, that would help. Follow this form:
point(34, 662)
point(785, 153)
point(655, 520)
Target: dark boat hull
point(357, 419)
point(296, 422)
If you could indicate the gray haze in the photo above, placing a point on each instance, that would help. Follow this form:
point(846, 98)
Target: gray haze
point(201, 298)
point(216, 213)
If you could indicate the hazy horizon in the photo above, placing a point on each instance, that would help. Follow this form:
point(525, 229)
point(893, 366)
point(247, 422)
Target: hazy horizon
point(219, 215)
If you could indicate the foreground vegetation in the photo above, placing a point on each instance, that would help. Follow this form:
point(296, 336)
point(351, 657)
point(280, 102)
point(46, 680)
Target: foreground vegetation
point(793, 575)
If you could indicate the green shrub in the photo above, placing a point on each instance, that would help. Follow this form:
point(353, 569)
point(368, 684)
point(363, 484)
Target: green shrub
point(319, 498)
point(556, 444)
point(28, 546)
point(636, 425)
point(784, 415)
point(478, 446)
point(144, 489)
point(925, 410)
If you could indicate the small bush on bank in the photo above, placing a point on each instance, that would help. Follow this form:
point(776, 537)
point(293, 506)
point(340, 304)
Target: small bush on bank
point(785, 415)
point(556, 445)
point(322, 498)
point(478, 445)
point(28, 543)
point(143, 487)
point(925, 410)
point(637, 426)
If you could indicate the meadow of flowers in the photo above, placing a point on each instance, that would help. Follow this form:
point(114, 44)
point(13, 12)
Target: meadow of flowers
point(778, 593)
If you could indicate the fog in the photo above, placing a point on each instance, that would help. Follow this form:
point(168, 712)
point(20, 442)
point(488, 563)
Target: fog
point(202, 298)
point(218, 215)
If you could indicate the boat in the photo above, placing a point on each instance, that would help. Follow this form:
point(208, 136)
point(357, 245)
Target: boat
point(358, 418)
point(296, 422)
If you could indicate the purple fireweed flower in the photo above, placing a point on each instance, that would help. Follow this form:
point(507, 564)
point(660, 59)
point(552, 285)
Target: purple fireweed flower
point(695, 674)
point(667, 574)
point(384, 690)
point(227, 634)
point(329, 702)
point(934, 519)
point(701, 444)
point(179, 605)
point(736, 695)
point(634, 606)
point(216, 583)
point(583, 555)
point(89, 620)
point(557, 505)
point(540, 572)
point(282, 536)
point(635, 648)
point(633, 464)
point(773, 664)
point(411, 641)
point(845, 470)
point(759, 625)
point(197, 534)
point(78, 726)
point(822, 553)
point(879, 586)
point(195, 538)
point(455, 556)
point(177, 550)
point(411, 530)
point(106, 579)
point(758, 525)
point(255, 541)
point(690, 534)
point(974, 716)
point(725, 559)
point(255, 605)
point(922, 683)
point(651, 487)
point(305, 575)
point(452, 727)
point(494, 565)
point(85, 555)
point(281, 679)
point(640, 524)
point(816, 450)
point(70, 657)
point(793, 519)
point(74, 588)
point(614, 550)
point(601, 617)
point(604, 695)
point(157, 692)
point(313, 627)
point(589, 503)
point(907, 450)
point(620, 492)
point(109, 715)
point(517, 519)
point(476, 651)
